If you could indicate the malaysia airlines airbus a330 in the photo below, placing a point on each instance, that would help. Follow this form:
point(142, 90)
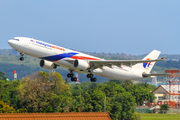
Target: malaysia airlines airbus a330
point(52, 56)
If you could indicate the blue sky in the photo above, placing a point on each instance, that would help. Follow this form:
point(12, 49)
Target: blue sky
point(132, 27)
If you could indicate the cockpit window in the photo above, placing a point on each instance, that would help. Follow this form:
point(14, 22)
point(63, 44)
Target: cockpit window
point(16, 39)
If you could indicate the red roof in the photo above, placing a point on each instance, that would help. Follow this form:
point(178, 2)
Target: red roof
point(56, 116)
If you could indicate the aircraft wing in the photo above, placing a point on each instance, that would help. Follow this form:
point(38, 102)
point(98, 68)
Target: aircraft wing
point(109, 63)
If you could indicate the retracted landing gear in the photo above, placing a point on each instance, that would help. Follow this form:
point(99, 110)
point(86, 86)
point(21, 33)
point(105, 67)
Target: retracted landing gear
point(71, 75)
point(21, 58)
point(91, 77)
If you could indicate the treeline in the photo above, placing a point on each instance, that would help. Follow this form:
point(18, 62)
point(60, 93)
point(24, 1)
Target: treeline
point(48, 92)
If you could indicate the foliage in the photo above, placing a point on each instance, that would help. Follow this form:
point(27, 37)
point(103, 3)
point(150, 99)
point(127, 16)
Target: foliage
point(8, 92)
point(136, 116)
point(6, 108)
point(42, 91)
point(140, 93)
point(2, 76)
point(151, 87)
point(123, 106)
point(118, 81)
point(48, 92)
point(164, 108)
point(49, 109)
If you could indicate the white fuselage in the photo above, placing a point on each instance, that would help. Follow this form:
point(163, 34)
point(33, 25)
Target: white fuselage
point(60, 55)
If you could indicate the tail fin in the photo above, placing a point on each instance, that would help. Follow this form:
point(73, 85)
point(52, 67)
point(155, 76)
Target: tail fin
point(147, 67)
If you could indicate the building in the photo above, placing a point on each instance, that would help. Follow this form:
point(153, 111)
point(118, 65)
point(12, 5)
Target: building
point(56, 116)
point(165, 93)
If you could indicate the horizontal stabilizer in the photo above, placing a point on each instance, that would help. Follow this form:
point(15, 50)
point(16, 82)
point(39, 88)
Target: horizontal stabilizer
point(153, 75)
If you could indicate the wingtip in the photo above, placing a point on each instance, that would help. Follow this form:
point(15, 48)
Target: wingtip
point(163, 57)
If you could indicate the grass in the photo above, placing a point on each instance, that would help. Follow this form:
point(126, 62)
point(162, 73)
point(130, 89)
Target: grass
point(160, 116)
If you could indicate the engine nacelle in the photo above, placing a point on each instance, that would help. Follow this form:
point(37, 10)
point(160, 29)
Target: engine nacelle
point(81, 65)
point(47, 65)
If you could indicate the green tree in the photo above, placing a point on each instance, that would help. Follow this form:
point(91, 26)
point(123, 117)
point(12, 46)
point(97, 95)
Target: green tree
point(122, 106)
point(77, 96)
point(2, 76)
point(111, 89)
point(49, 109)
point(164, 108)
point(42, 91)
point(94, 101)
point(6, 108)
point(58, 85)
point(140, 92)
point(8, 92)
point(149, 86)
point(127, 84)
point(117, 81)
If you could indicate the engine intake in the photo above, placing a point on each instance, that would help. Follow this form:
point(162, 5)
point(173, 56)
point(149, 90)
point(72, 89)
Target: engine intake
point(47, 65)
point(81, 65)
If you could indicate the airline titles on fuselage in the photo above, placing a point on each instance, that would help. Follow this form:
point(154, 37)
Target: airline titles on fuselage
point(47, 45)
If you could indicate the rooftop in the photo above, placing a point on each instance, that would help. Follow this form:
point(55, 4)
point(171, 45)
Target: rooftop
point(56, 116)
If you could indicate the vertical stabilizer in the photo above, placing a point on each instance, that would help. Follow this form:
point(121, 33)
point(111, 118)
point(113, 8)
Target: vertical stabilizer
point(147, 67)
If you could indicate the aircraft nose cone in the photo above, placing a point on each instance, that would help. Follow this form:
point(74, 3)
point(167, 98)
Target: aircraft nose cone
point(11, 43)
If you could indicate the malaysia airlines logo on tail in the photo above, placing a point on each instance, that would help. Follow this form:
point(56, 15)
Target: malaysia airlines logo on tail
point(147, 64)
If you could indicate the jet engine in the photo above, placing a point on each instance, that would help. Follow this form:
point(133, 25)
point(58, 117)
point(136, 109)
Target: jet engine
point(81, 65)
point(47, 65)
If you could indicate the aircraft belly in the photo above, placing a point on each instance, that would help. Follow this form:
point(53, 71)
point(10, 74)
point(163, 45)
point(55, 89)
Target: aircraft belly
point(65, 64)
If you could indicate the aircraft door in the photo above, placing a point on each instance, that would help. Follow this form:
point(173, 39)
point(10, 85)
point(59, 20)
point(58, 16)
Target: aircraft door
point(55, 51)
point(131, 71)
point(58, 51)
point(27, 43)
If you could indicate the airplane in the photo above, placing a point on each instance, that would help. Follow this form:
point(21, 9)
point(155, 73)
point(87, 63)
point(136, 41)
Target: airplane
point(52, 56)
